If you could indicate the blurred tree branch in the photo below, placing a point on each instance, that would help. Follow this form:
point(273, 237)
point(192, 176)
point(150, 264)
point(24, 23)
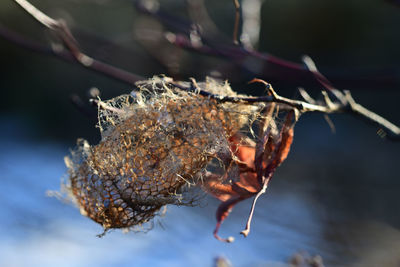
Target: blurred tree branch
point(196, 35)
point(74, 52)
point(343, 103)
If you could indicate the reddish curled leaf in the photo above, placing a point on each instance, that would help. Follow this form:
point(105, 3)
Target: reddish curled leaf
point(232, 193)
point(285, 141)
point(248, 181)
point(257, 163)
point(213, 185)
point(243, 150)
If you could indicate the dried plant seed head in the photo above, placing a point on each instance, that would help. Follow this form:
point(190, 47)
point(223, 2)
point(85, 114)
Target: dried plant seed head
point(153, 143)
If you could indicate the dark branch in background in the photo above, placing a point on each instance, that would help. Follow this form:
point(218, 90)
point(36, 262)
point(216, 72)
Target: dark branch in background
point(83, 107)
point(237, 21)
point(214, 43)
point(343, 103)
point(97, 66)
point(34, 46)
point(74, 53)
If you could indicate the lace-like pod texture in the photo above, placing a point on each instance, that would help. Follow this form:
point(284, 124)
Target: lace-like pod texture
point(154, 142)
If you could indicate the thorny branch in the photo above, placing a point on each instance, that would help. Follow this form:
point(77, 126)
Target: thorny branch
point(344, 101)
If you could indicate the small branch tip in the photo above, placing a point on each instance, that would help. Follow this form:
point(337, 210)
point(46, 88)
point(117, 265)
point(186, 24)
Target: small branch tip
point(245, 232)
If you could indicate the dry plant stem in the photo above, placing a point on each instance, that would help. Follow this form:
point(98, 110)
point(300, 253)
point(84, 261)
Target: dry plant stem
point(237, 20)
point(59, 28)
point(392, 132)
point(71, 44)
point(246, 230)
point(346, 103)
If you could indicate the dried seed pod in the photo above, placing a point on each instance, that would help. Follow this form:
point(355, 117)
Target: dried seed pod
point(152, 144)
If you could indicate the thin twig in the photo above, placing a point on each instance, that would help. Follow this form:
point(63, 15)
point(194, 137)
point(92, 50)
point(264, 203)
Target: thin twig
point(345, 104)
point(392, 131)
point(61, 29)
point(345, 101)
point(237, 21)
point(246, 230)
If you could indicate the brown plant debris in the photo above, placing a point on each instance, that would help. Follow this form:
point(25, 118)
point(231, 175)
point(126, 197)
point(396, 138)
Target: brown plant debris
point(155, 142)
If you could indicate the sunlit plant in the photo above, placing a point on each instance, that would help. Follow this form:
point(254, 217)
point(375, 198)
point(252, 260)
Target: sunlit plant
point(168, 139)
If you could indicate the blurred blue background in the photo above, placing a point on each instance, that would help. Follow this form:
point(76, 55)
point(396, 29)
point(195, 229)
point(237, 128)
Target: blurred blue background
point(335, 196)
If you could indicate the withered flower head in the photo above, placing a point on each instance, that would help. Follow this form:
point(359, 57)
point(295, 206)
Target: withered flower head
point(154, 143)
